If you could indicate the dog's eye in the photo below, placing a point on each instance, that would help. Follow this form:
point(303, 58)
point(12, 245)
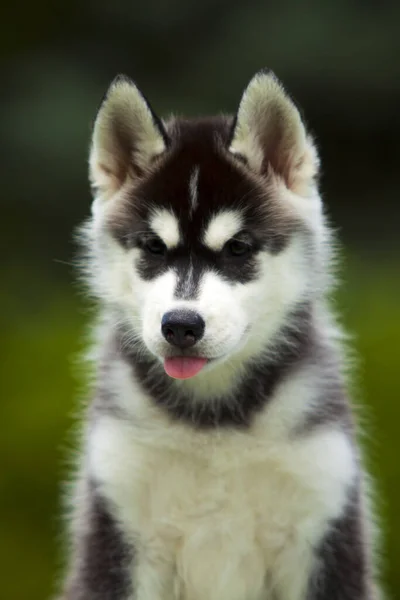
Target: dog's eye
point(237, 248)
point(155, 246)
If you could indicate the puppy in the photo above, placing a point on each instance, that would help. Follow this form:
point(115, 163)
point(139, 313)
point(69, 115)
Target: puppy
point(218, 459)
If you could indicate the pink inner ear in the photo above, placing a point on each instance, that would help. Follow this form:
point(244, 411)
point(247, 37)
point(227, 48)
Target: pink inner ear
point(269, 131)
point(127, 134)
point(106, 170)
point(281, 146)
point(294, 160)
point(277, 160)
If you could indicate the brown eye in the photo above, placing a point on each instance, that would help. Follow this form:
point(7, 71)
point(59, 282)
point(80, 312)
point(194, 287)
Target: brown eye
point(155, 246)
point(237, 248)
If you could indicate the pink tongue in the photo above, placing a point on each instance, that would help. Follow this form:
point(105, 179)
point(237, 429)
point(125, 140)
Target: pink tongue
point(183, 367)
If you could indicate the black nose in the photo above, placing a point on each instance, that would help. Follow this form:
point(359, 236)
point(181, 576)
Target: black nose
point(182, 328)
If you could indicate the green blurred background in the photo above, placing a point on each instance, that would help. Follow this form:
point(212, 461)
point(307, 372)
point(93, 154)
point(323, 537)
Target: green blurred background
point(341, 61)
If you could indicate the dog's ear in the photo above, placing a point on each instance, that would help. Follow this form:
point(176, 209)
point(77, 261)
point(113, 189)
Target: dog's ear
point(269, 132)
point(127, 136)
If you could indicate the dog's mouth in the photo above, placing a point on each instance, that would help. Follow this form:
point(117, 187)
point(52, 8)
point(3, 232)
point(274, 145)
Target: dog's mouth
point(184, 367)
point(187, 363)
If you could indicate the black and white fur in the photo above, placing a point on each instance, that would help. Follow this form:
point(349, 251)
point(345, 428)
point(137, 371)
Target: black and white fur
point(244, 481)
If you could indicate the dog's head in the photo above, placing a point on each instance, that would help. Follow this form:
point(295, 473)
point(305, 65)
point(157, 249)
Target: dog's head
point(206, 234)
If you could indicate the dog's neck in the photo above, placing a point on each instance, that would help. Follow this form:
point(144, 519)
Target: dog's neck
point(232, 392)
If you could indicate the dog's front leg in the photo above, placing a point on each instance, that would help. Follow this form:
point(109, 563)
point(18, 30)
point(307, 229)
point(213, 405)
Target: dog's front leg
point(336, 567)
point(344, 570)
point(102, 559)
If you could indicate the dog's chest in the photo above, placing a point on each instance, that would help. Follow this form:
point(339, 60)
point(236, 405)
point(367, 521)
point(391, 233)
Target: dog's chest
point(210, 520)
point(223, 519)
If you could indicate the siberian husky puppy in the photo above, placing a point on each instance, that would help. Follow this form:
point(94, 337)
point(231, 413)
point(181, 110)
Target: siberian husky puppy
point(219, 459)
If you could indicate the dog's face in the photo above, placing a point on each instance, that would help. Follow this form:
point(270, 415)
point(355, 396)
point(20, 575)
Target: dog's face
point(204, 233)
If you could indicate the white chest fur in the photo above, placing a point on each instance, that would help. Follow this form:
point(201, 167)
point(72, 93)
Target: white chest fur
point(226, 515)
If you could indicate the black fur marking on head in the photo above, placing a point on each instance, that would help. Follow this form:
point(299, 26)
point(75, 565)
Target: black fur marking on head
point(222, 183)
point(103, 559)
point(190, 268)
point(248, 396)
point(343, 572)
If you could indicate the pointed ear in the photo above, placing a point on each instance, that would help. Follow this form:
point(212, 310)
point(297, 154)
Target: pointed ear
point(270, 133)
point(127, 135)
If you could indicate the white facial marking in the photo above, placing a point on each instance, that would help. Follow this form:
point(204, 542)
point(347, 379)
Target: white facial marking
point(193, 190)
point(221, 228)
point(188, 285)
point(166, 226)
